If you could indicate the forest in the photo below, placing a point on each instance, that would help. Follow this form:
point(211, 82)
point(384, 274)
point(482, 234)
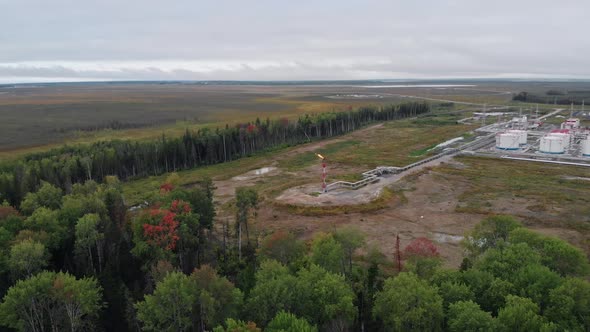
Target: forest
point(75, 257)
point(81, 262)
point(575, 97)
point(130, 159)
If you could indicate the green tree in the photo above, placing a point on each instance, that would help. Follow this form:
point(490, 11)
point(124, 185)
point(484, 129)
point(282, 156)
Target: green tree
point(489, 233)
point(519, 314)
point(452, 292)
point(409, 303)
point(324, 298)
point(287, 322)
point(494, 296)
point(275, 290)
point(89, 240)
point(535, 282)
point(281, 246)
point(246, 200)
point(350, 238)
point(171, 306)
point(569, 305)
point(27, 258)
point(327, 253)
point(47, 196)
point(49, 300)
point(80, 299)
point(45, 220)
point(217, 298)
point(237, 326)
point(556, 254)
point(502, 263)
point(468, 316)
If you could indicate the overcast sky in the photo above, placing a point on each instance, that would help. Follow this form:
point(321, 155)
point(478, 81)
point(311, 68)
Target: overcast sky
point(58, 40)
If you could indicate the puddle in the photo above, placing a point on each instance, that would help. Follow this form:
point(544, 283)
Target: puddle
point(446, 238)
point(254, 173)
point(263, 170)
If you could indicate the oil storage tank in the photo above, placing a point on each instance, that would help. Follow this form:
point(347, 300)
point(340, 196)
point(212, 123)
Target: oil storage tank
point(552, 144)
point(522, 135)
point(508, 141)
point(586, 147)
point(564, 135)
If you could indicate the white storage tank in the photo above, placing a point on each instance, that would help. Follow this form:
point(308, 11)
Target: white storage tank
point(552, 144)
point(522, 135)
point(507, 141)
point(586, 147)
point(563, 136)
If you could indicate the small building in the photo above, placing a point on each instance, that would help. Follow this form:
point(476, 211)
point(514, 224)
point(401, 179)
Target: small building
point(571, 124)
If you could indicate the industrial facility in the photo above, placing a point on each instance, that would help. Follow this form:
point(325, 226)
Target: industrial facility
point(525, 138)
point(540, 138)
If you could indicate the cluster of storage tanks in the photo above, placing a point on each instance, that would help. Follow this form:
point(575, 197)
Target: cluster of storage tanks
point(556, 142)
point(511, 139)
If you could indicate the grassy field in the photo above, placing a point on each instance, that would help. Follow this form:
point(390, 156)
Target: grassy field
point(533, 190)
point(36, 118)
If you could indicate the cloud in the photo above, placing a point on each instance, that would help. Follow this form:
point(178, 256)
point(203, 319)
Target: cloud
point(291, 40)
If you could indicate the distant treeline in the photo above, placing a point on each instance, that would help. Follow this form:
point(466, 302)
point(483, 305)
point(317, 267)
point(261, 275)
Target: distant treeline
point(554, 97)
point(110, 125)
point(67, 165)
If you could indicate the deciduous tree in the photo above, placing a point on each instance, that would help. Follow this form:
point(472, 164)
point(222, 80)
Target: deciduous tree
point(171, 306)
point(27, 258)
point(408, 303)
point(287, 322)
point(327, 253)
point(520, 314)
point(467, 316)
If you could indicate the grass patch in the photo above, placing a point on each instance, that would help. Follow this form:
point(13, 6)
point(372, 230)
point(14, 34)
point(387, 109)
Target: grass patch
point(351, 177)
point(542, 184)
point(421, 152)
point(305, 159)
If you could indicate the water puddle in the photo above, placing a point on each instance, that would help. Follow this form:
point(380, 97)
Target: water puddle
point(254, 173)
point(263, 170)
point(446, 238)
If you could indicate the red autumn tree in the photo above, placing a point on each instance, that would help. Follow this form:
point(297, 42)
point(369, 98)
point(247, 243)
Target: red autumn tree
point(421, 248)
point(164, 233)
point(251, 128)
point(166, 188)
point(180, 206)
point(6, 211)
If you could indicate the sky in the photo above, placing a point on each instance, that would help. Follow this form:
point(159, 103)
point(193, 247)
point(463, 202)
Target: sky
point(90, 40)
